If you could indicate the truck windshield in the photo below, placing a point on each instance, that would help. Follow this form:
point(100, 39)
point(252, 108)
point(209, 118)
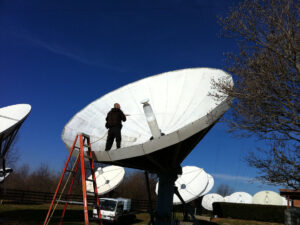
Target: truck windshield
point(108, 205)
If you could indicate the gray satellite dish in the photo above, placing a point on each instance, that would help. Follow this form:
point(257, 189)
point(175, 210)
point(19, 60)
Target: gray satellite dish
point(11, 119)
point(107, 179)
point(178, 104)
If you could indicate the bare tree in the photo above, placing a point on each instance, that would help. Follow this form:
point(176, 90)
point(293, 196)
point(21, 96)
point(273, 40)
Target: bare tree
point(266, 94)
point(18, 179)
point(134, 186)
point(12, 156)
point(43, 179)
point(224, 190)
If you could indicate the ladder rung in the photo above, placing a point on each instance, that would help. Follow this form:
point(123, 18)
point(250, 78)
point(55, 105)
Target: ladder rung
point(83, 146)
point(85, 135)
point(70, 171)
point(90, 180)
point(90, 193)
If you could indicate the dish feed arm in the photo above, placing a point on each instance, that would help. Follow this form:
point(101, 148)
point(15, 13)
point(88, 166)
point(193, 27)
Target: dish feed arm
point(150, 116)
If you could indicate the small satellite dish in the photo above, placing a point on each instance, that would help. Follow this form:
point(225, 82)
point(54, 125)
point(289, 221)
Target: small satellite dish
point(11, 119)
point(4, 174)
point(209, 199)
point(107, 178)
point(190, 184)
point(267, 198)
point(239, 197)
point(209, 186)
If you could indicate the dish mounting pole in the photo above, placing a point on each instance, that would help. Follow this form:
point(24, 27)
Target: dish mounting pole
point(165, 197)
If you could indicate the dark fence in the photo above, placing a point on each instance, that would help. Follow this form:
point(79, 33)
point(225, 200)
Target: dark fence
point(35, 197)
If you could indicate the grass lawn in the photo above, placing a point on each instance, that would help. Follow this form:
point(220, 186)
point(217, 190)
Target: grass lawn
point(11, 214)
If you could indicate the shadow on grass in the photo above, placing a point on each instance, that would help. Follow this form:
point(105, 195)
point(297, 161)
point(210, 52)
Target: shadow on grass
point(37, 216)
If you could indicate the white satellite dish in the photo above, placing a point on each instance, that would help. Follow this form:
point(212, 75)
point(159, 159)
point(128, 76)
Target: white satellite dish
point(227, 198)
point(11, 119)
point(239, 197)
point(5, 174)
point(107, 179)
point(209, 186)
point(209, 199)
point(182, 106)
point(190, 184)
point(11, 116)
point(267, 198)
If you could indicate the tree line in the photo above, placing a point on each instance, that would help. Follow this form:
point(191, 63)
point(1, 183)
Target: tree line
point(43, 179)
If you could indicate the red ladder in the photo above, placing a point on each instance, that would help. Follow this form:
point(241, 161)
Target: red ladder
point(84, 142)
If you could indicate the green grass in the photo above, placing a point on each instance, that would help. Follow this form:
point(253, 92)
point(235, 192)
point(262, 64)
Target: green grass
point(11, 214)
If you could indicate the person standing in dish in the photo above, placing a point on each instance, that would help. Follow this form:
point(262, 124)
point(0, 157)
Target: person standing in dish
point(114, 120)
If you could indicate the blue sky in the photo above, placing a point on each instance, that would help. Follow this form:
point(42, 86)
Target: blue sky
point(58, 56)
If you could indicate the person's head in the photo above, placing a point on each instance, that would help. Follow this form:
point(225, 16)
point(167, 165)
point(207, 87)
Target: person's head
point(117, 106)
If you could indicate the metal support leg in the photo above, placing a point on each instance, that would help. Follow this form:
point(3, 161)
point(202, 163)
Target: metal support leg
point(165, 198)
point(185, 206)
point(149, 199)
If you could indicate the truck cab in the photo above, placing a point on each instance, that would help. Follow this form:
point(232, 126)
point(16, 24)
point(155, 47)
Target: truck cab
point(112, 209)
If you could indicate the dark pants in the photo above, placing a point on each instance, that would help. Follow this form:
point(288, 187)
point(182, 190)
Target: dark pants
point(113, 132)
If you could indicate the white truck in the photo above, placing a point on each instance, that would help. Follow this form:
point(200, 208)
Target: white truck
point(114, 209)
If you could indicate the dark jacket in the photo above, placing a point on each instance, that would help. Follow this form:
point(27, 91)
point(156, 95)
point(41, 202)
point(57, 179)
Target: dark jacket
point(114, 118)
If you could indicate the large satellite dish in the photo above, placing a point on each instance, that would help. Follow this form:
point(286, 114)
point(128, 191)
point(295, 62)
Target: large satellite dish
point(179, 104)
point(209, 186)
point(183, 108)
point(107, 179)
point(239, 197)
point(190, 184)
point(267, 198)
point(11, 119)
point(209, 199)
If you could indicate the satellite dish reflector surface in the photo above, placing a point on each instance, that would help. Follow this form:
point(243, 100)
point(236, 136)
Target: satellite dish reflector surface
point(227, 198)
point(11, 119)
point(239, 197)
point(190, 184)
point(107, 179)
point(209, 186)
point(209, 199)
point(11, 116)
point(267, 198)
point(183, 109)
